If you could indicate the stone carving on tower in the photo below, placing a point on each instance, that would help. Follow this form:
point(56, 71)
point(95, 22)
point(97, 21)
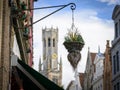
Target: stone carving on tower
point(50, 67)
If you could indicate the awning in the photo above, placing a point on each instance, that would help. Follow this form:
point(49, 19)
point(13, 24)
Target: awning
point(33, 80)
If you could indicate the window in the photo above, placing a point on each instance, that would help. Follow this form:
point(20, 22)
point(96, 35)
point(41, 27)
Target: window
point(114, 64)
point(117, 86)
point(119, 28)
point(44, 43)
point(101, 87)
point(117, 60)
point(49, 42)
point(53, 42)
point(50, 63)
point(116, 30)
point(98, 88)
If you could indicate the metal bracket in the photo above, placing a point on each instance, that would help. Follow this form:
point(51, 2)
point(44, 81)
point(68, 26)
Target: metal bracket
point(73, 6)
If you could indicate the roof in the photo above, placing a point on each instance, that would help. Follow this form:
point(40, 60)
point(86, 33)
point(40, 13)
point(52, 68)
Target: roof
point(116, 11)
point(33, 80)
point(90, 60)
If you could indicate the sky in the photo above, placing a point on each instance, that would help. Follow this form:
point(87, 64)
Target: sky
point(93, 18)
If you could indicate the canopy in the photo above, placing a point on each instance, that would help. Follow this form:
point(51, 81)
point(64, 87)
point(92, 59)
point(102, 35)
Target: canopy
point(31, 79)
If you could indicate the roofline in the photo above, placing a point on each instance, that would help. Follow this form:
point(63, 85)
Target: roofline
point(115, 12)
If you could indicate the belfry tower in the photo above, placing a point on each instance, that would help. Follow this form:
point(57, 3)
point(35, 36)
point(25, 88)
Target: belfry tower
point(49, 66)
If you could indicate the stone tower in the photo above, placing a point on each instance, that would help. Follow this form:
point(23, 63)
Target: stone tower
point(50, 67)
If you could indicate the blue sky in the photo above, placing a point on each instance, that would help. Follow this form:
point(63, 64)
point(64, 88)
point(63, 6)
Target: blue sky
point(93, 20)
point(104, 9)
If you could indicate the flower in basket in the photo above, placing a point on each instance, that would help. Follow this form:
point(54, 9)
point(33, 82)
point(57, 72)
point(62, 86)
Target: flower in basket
point(74, 43)
point(73, 40)
point(74, 36)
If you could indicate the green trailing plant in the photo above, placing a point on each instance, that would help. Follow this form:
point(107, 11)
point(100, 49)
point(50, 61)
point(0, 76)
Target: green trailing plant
point(26, 32)
point(23, 5)
point(24, 16)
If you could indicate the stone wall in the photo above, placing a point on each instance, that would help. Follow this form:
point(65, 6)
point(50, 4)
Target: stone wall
point(4, 44)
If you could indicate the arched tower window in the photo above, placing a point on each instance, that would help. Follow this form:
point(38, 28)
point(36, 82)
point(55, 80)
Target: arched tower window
point(53, 42)
point(49, 42)
point(44, 43)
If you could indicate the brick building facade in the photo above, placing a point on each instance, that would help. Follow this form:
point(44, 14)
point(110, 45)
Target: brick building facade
point(107, 73)
point(102, 80)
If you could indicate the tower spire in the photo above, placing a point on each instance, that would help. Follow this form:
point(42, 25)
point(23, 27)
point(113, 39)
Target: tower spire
point(99, 49)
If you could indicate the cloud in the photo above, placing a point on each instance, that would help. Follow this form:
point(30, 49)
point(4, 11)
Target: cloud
point(95, 31)
point(110, 1)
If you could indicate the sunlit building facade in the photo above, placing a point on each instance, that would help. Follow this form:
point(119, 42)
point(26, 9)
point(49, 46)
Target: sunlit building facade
point(97, 81)
point(89, 71)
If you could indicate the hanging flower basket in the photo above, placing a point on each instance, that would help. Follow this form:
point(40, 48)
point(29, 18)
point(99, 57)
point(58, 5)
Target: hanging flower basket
point(72, 46)
point(73, 41)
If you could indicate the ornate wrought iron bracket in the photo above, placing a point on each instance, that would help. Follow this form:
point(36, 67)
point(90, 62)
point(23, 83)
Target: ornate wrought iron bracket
point(73, 6)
